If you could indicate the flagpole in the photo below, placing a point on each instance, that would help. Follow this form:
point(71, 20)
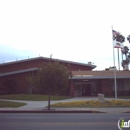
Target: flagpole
point(114, 66)
point(118, 58)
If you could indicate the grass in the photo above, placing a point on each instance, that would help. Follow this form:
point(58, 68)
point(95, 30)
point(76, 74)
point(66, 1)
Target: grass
point(32, 97)
point(8, 104)
point(92, 104)
point(121, 97)
point(124, 97)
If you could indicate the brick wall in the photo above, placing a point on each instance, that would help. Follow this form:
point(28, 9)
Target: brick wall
point(36, 63)
point(106, 87)
point(19, 79)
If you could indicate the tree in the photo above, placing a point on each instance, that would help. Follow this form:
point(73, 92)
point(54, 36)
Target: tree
point(31, 79)
point(120, 38)
point(128, 38)
point(52, 77)
point(125, 51)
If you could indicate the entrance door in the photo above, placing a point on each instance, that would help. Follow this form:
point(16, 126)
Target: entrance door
point(86, 89)
point(93, 90)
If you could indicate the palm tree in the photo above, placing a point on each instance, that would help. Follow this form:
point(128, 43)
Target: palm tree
point(120, 38)
point(125, 62)
point(129, 56)
point(128, 38)
point(125, 51)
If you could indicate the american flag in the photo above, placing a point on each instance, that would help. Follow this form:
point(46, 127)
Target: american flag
point(115, 33)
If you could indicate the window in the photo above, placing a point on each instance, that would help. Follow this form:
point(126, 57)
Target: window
point(126, 84)
point(78, 88)
point(112, 84)
point(120, 84)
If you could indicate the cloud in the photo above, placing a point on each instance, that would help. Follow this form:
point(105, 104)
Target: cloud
point(70, 30)
point(10, 54)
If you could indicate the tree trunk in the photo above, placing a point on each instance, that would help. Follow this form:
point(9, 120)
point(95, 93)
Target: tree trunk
point(49, 101)
point(122, 55)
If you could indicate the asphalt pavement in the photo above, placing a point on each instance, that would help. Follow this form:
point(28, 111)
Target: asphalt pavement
point(61, 121)
point(40, 106)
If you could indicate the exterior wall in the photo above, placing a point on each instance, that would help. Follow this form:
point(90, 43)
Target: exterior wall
point(36, 63)
point(123, 87)
point(106, 87)
point(19, 79)
point(83, 87)
point(71, 88)
point(74, 67)
point(100, 86)
point(22, 85)
point(21, 65)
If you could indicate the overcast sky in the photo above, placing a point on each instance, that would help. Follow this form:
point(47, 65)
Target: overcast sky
point(75, 30)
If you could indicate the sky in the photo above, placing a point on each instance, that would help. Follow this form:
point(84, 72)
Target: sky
point(74, 30)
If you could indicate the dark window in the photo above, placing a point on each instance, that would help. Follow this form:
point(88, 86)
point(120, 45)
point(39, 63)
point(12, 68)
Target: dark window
point(120, 84)
point(126, 84)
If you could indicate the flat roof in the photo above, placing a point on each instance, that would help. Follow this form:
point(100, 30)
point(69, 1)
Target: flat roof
point(81, 74)
point(99, 74)
point(45, 58)
point(100, 77)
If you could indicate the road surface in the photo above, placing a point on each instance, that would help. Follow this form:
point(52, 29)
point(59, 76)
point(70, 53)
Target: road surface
point(42, 121)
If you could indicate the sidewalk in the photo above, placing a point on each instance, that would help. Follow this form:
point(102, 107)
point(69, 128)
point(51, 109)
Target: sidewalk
point(39, 106)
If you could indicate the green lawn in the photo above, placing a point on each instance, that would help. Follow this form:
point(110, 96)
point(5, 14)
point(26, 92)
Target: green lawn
point(32, 97)
point(6, 104)
point(121, 97)
point(124, 97)
point(92, 104)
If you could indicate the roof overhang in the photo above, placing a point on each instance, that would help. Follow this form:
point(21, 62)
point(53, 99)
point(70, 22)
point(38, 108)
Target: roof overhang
point(19, 71)
point(99, 77)
point(100, 74)
point(45, 58)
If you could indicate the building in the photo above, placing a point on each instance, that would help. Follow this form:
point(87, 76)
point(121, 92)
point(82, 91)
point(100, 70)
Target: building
point(90, 83)
point(85, 81)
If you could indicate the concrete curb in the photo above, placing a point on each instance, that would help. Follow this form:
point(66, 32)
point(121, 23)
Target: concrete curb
point(126, 112)
point(50, 111)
